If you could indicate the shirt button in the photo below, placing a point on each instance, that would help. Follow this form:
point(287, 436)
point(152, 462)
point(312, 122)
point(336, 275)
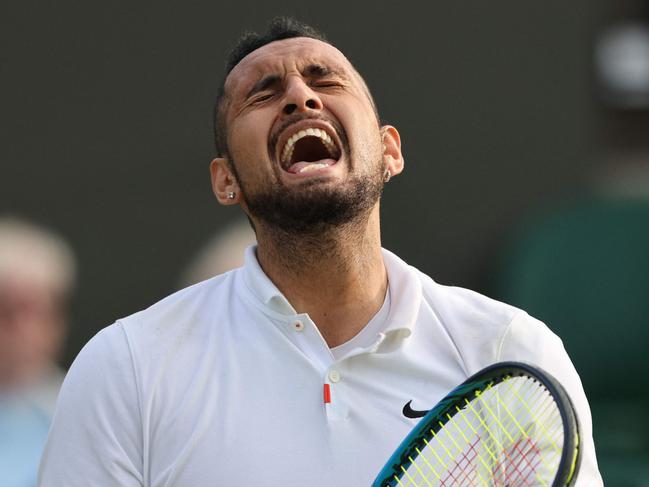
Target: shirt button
point(298, 326)
point(334, 376)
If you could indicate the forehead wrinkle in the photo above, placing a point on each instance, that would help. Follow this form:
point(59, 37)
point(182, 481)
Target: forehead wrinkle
point(312, 69)
point(297, 49)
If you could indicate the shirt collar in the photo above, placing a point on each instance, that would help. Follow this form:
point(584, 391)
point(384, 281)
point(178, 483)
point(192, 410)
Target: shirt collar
point(405, 291)
point(405, 294)
point(261, 286)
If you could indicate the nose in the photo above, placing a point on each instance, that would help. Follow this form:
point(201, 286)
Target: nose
point(300, 97)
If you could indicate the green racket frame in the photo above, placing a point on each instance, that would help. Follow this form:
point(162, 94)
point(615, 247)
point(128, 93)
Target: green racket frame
point(488, 377)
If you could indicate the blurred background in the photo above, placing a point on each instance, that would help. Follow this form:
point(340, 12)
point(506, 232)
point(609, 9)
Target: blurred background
point(525, 128)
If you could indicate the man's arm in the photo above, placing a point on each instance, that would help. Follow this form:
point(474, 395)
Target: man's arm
point(529, 340)
point(96, 434)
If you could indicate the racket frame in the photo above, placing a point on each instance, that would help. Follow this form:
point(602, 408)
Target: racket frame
point(488, 377)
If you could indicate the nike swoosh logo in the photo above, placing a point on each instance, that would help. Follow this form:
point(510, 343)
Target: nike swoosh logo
point(408, 412)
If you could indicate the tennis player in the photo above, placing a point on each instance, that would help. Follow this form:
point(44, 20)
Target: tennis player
point(308, 365)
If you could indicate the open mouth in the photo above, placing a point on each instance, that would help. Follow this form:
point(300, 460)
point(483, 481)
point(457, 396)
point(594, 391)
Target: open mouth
point(309, 149)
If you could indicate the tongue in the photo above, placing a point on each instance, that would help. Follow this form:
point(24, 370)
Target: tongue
point(300, 166)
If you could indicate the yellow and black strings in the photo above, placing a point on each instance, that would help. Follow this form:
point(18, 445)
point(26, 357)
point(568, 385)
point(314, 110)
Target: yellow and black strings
point(531, 427)
point(511, 433)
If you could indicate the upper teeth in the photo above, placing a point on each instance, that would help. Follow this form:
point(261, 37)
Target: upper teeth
point(287, 152)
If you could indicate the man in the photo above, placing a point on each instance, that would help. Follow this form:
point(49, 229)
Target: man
point(37, 271)
point(293, 370)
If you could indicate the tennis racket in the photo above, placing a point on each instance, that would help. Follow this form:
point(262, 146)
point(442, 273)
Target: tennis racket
point(509, 425)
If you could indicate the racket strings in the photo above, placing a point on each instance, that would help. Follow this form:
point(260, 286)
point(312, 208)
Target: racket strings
point(543, 416)
point(451, 462)
point(535, 408)
point(514, 458)
point(545, 409)
point(509, 435)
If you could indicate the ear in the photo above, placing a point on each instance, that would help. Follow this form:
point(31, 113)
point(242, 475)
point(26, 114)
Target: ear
point(224, 184)
point(392, 156)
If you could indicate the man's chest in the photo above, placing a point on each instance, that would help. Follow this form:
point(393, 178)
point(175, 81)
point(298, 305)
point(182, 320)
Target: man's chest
point(243, 421)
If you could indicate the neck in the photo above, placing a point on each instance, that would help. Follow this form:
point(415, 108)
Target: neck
point(336, 276)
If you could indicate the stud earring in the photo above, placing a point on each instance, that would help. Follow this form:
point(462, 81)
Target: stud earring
point(231, 195)
point(387, 175)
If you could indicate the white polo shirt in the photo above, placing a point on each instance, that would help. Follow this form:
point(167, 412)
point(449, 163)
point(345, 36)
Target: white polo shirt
point(222, 384)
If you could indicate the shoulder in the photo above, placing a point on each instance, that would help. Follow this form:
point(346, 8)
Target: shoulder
point(120, 352)
point(187, 310)
point(491, 331)
point(485, 330)
point(179, 323)
point(189, 299)
point(459, 305)
point(467, 312)
point(452, 306)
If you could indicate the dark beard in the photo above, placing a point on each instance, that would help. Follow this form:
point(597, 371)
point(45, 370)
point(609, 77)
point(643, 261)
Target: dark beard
point(314, 209)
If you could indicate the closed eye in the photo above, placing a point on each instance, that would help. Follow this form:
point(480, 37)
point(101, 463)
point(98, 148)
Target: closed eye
point(262, 98)
point(326, 84)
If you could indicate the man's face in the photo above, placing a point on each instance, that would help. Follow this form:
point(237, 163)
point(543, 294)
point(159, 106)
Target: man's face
point(303, 135)
point(31, 329)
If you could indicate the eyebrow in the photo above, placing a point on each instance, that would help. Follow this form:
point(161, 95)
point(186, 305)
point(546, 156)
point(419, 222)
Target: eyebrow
point(318, 71)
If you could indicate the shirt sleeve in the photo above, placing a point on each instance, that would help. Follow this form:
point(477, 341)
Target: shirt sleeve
point(96, 433)
point(530, 341)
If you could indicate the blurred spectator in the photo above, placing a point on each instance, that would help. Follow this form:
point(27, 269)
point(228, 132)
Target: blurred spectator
point(622, 65)
point(222, 253)
point(621, 69)
point(37, 271)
